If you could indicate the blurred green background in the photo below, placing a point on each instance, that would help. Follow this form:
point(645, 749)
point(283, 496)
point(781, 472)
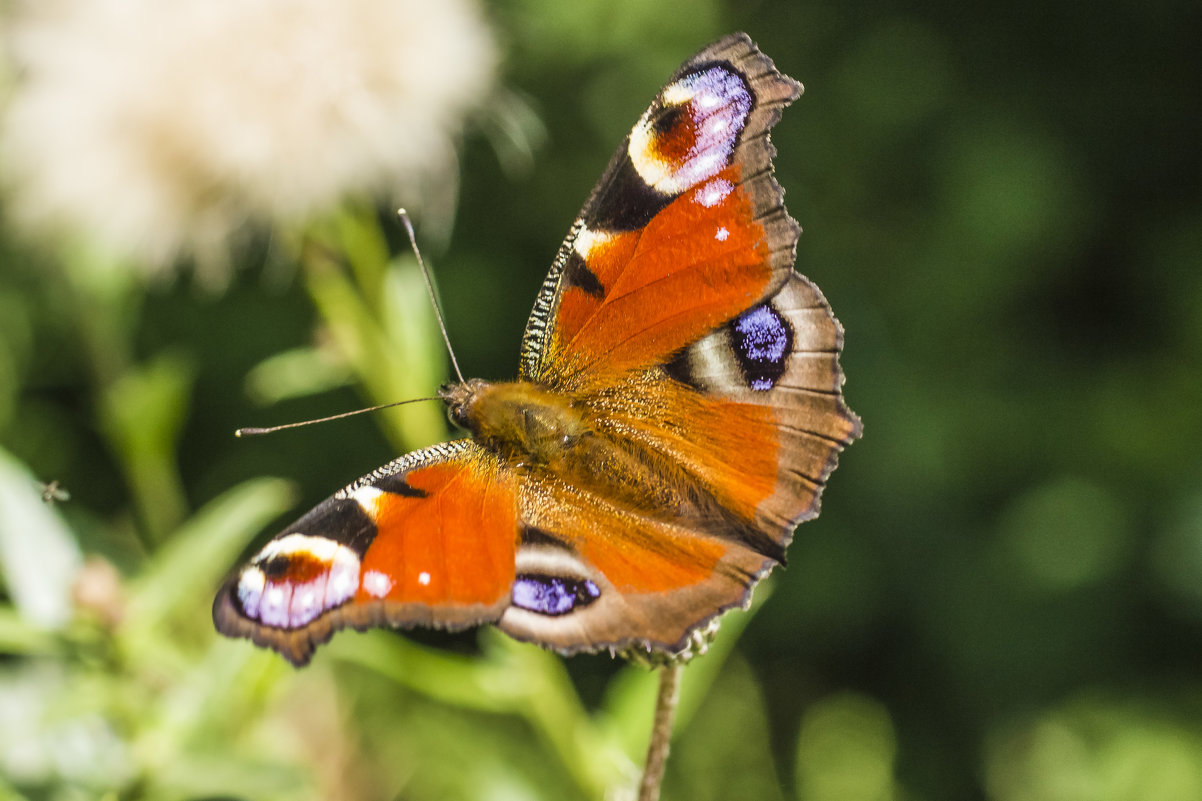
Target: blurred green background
point(1001, 600)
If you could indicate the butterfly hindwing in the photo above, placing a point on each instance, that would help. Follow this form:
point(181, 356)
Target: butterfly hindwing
point(782, 356)
point(428, 539)
point(641, 578)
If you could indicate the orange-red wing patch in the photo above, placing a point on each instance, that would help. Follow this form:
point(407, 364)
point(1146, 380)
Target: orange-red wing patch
point(696, 264)
point(429, 539)
point(651, 580)
point(733, 448)
point(452, 547)
point(685, 229)
point(647, 556)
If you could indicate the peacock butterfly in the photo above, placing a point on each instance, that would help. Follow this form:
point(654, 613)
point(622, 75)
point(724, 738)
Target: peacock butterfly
point(677, 411)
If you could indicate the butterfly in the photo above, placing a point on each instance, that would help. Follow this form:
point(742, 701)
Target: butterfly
point(677, 412)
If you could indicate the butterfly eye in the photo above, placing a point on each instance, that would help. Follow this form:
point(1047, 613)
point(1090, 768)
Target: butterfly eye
point(458, 398)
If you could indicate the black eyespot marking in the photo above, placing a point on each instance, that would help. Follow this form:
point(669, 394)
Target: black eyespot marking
point(397, 486)
point(276, 567)
point(343, 520)
point(552, 595)
point(665, 121)
point(679, 369)
point(623, 200)
point(762, 340)
point(577, 273)
point(536, 536)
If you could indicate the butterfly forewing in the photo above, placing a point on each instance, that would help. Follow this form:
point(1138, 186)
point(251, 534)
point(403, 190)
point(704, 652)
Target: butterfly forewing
point(685, 230)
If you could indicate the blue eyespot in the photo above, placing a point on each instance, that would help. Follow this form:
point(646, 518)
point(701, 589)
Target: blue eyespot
point(552, 595)
point(762, 341)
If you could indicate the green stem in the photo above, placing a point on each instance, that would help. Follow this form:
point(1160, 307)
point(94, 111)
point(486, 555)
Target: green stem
point(661, 732)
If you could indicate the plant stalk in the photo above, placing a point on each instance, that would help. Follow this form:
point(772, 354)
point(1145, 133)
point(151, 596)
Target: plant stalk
point(661, 732)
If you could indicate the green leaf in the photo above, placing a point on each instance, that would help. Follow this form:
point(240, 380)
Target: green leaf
point(142, 414)
point(295, 373)
point(19, 636)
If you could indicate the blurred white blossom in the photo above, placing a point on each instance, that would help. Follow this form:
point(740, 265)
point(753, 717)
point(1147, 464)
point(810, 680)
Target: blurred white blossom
point(158, 128)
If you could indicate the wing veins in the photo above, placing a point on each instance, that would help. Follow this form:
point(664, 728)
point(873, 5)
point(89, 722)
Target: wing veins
point(814, 434)
point(583, 367)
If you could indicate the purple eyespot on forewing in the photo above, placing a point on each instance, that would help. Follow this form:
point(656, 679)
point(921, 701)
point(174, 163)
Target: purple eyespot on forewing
point(717, 89)
point(553, 595)
point(718, 103)
point(762, 341)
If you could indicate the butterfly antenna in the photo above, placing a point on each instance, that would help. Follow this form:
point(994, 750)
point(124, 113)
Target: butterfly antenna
point(251, 432)
point(442, 325)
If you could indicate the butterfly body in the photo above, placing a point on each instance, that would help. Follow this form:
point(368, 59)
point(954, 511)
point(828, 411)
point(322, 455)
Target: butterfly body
point(579, 441)
point(521, 421)
point(676, 414)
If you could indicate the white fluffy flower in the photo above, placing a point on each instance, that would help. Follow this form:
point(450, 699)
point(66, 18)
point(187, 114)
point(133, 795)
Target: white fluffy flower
point(159, 127)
